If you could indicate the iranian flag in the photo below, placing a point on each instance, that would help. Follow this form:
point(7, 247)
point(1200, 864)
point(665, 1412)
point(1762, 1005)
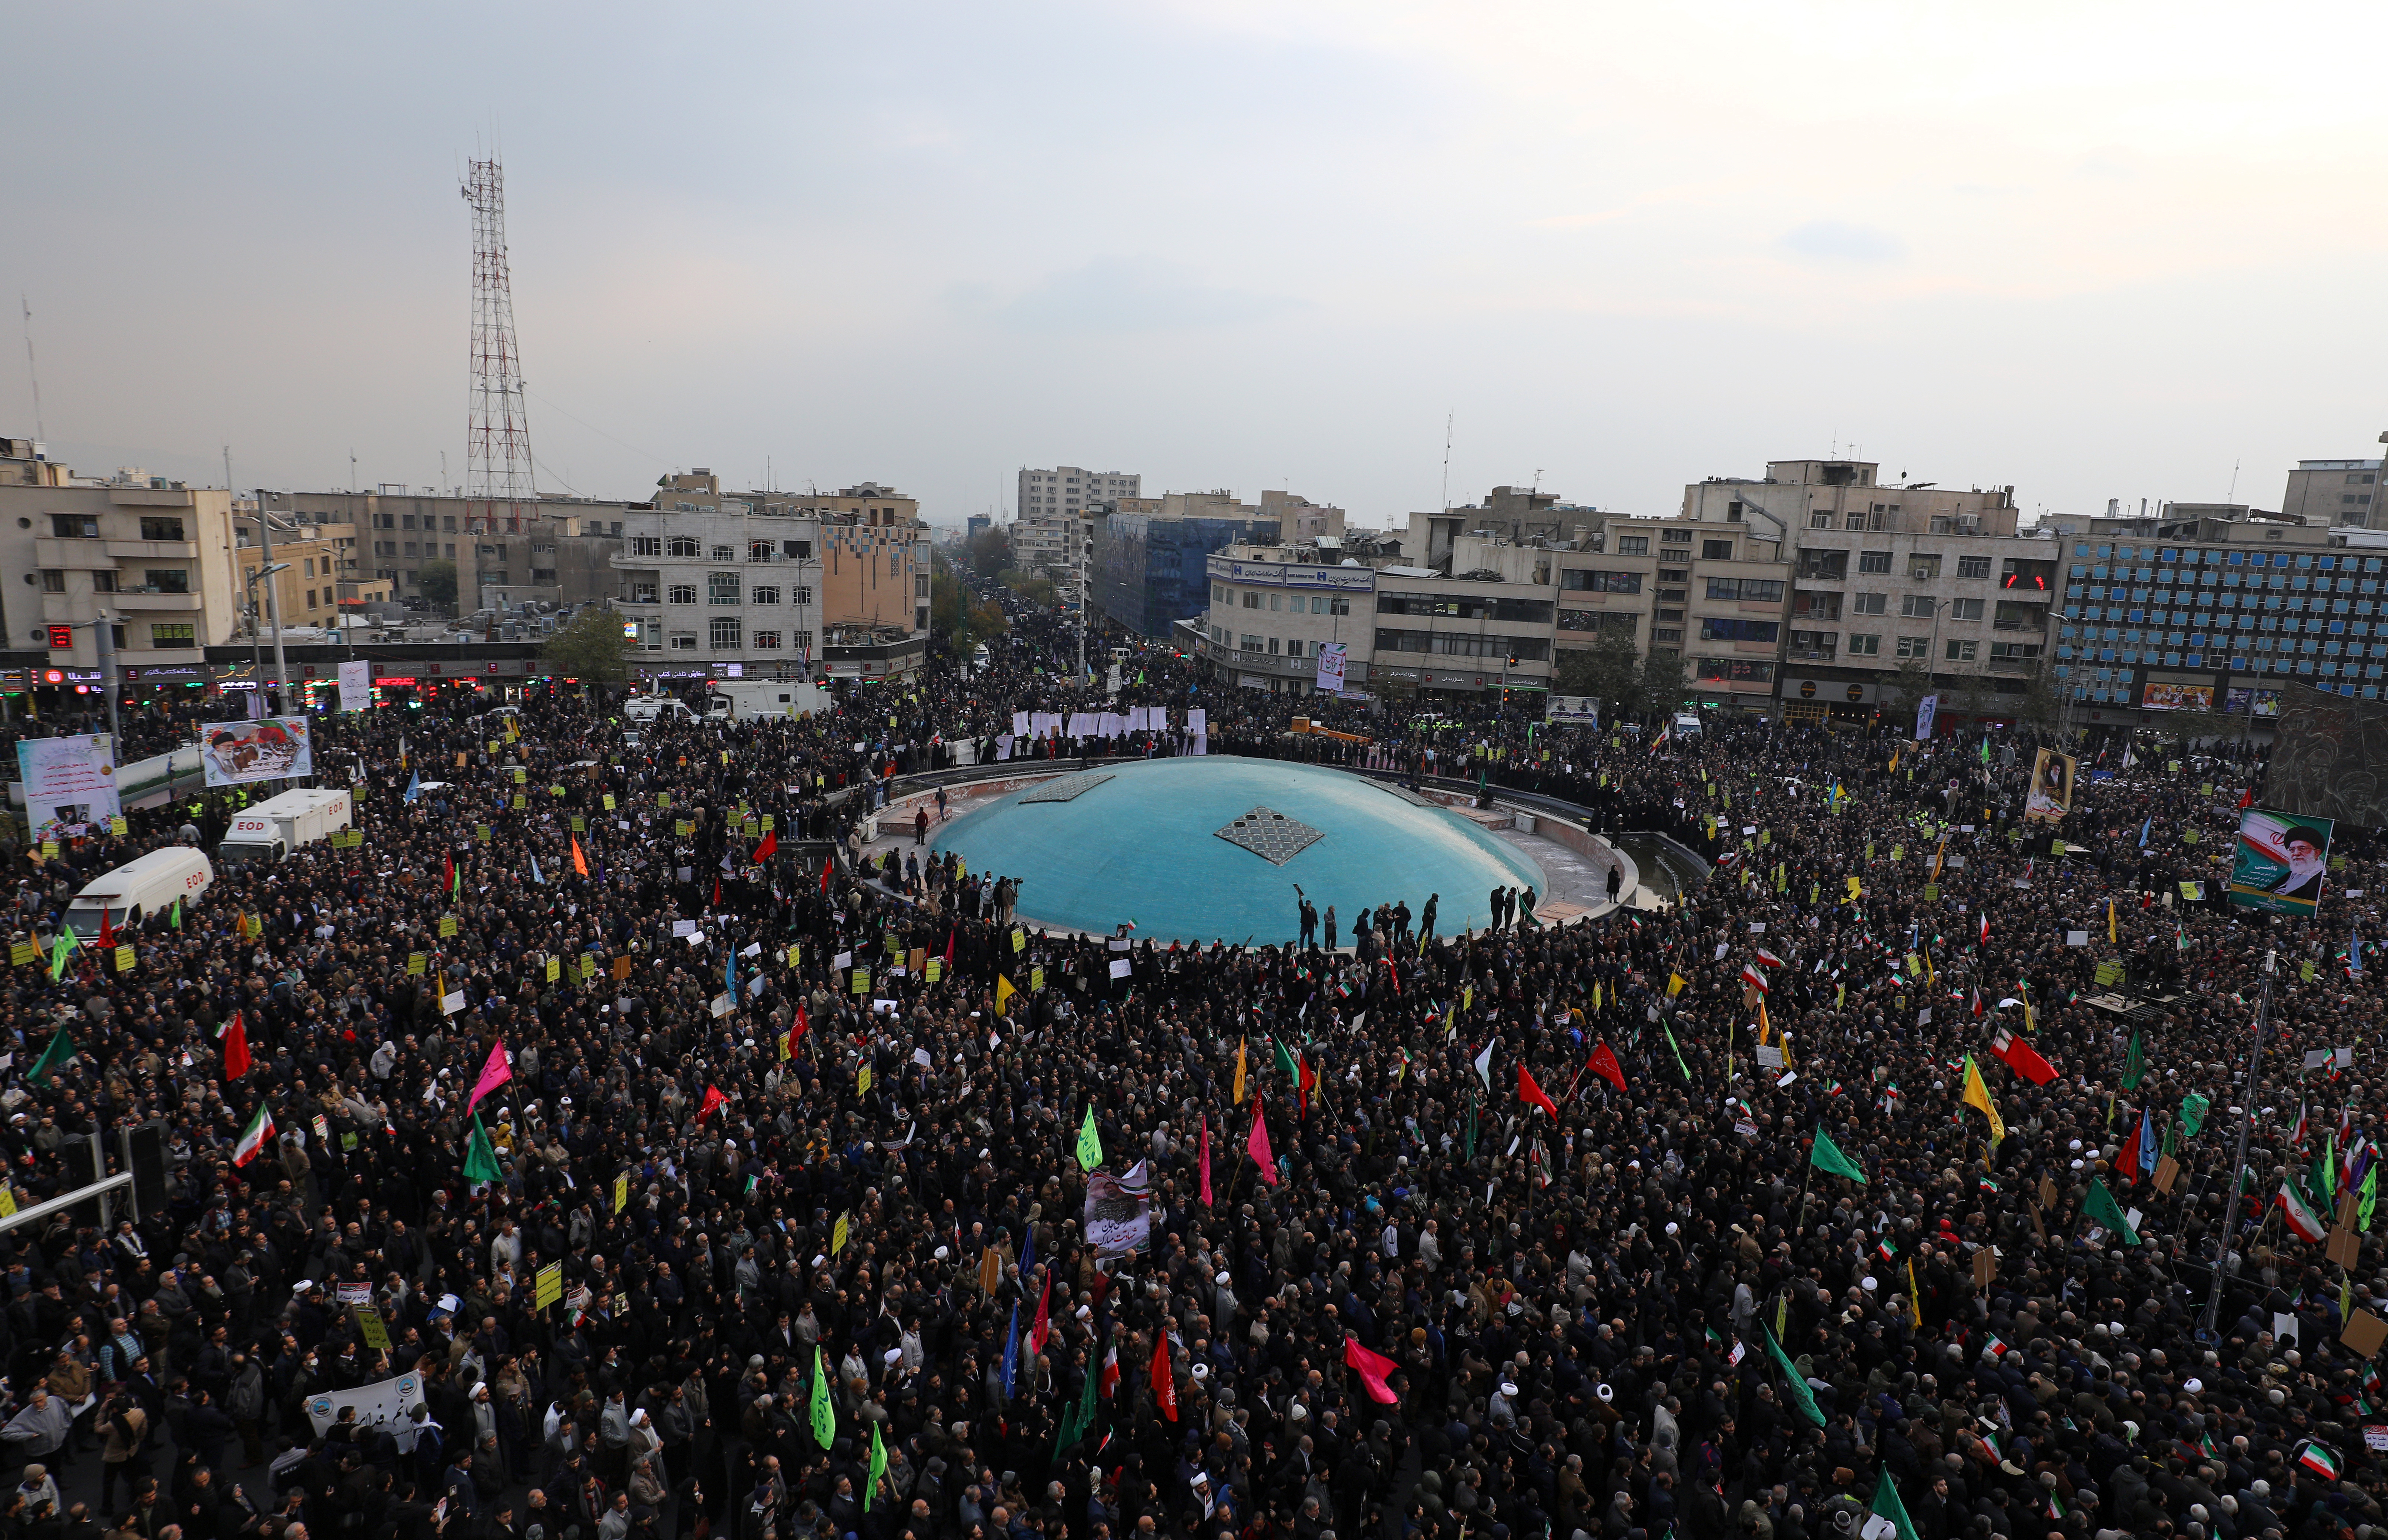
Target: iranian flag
point(253, 1138)
point(1767, 957)
point(1110, 1375)
point(1751, 977)
point(2302, 1218)
point(2318, 1458)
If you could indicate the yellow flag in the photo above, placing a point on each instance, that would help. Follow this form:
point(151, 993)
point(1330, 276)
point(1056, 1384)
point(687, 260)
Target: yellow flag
point(1978, 1094)
point(1914, 1311)
point(1854, 886)
point(1595, 997)
point(2110, 924)
point(1677, 984)
point(2029, 1026)
point(621, 1192)
point(1240, 1072)
point(1764, 1026)
point(1003, 993)
point(837, 1235)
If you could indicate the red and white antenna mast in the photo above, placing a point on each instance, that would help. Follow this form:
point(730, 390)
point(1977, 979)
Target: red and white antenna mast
point(500, 489)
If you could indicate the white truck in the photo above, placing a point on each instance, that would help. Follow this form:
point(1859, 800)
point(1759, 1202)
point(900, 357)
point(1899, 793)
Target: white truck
point(733, 700)
point(275, 827)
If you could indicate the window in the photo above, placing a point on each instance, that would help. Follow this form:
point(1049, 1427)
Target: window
point(1867, 603)
point(722, 553)
point(1873, 561)
point(767, 642)
point(683, 642)
point(1960, 652)
point(1964, 609)
point(542, 574)
point(1251, 599)
point(1922, 568)
point(1821, 519)
point(1667, 633)
point(1252, 644)
point(1806, 605)
point(1622, 622)
point(311, 565)
point(1739, 630)
point(723, 630)
point(1824, 563)
point(173, 634)
point(721, 588)
point(1293, 646)
point(54, 582)
point(1813, 642)
point(1577, 579)
point(1218, 593)
point(680, 545)
point(154, 528)
point(75, 526)
point(764, 596)
point(1867, 644)
point(103, 582)
point(311, 598)
point(1675, 537)
point(2012, 650)
point(681, 594)
point(798, 551)
point(1915, 606)
point(1973, 567)
point(761, 551)
point(167, 579)
point(803, 596)
point(1632, 545)
point(1747, 590)
point(1276, 601)
point(1462, 644)
point(1716, 550)
point(1915, 646)
point(1741, 670)
point(646, 546)
point(642, 593)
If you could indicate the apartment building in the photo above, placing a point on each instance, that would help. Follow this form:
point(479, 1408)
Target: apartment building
point(151, 558)
point(2165, 612)
point(322, 578)
point(1710, 592)
point(556, 552)
point(1273, 606)
point(2334, 492)
point(1069, 490)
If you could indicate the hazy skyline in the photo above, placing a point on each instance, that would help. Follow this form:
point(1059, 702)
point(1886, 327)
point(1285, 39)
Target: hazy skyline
point(2090, 251)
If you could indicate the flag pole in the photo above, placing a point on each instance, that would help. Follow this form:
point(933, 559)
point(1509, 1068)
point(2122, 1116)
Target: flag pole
point(2238, 1163)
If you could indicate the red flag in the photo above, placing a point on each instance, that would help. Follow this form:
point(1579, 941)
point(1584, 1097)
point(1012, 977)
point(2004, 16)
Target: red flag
point(448, 878)
point(2247, 798)
point(1532, 1094)
point(1165, 1382)
point(106, 932)
point(826, 864)
point(1307, 1078)
point(1111, 1367)
point(714, 1102)
point(1044, 1301)
point(1372, 1368)
point(1206, 1158)
point(580, 861)
point(771, 846)
point(796, 1033)
point(717, 893)
point(2020, 1057)
point(1604, 1064)
point(1258, 1145)
point(236, 1048)
point(1394, 968)
point(950, 947)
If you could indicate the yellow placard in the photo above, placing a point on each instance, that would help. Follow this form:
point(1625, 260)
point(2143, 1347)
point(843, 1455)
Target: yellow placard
point(370, 1327)
point(117, 826)
point(414, 964)
point(621, 1192)
point(863, 1081)
point(1019, 939)
point(935, 970)
point(862, 981)
point(20, 954)
point(124, 959)
point(550, 1287)
point(521, 775)
point(609, 802)
point(1036, 981)
point(447, 927)
point(554, 968)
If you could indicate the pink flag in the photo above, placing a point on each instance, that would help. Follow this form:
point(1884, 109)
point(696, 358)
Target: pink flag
point(496, 1072)
point(1373, 1368)
point(1258, 1146)
point(1206, 1158)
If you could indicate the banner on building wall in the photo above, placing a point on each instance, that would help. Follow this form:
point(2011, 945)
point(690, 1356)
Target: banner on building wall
point(1330, 666)
point(266, 750)
point(69, 784)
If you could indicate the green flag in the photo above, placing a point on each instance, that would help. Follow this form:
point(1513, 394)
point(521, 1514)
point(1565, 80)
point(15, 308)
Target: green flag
point(1090, 1144)
point(480, 1155)
point(61, 1049)
point(877, 1466)
point(2194, 1109)
point(1079, 1420)
point(2135, 1064)
point(1885, 1496)
point(2370, 1196)
point(1285, 1062)
point(178, 914)
point(1471, 1127)
point(1827, 1157)
point(62, 951)
point(824, 1420)
point(2100, 1208)
point(1802, 1396)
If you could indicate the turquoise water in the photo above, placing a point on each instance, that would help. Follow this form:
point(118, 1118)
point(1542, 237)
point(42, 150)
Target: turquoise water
point(1140, 846)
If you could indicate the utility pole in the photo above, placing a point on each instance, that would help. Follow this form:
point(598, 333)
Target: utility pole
point(2239, 1162)
point(273, 599)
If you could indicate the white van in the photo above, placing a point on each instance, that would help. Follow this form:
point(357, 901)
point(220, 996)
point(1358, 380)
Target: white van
point(145, 885)
point(648, 708)
point(732, 699)
point(278, 825)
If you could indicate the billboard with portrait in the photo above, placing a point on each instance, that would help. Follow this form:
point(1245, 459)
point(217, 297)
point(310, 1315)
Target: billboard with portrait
point(2161, 695)
point(2050, 796)
point(268, 749)
point(2282, 860)
point(69, 784)
point(2236, 700)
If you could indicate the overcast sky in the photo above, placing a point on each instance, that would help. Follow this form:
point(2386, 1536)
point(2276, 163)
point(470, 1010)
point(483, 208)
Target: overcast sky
point(2092, 251)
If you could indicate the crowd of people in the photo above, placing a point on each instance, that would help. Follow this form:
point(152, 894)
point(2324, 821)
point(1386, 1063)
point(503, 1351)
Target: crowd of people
point(596, 1150)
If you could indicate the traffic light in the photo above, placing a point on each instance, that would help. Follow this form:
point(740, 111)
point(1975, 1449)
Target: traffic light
point(1513, 660)
point(62, 637)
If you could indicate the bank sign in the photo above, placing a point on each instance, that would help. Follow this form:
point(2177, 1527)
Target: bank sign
point(1348, 580)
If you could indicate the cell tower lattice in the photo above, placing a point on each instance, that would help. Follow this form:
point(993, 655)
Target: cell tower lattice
point(500, 489)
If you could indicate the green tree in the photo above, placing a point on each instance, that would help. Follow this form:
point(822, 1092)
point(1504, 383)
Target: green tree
point(1662, 686)
point(437, 580)
point(592, 649)
point(1607, 668)
point(1034, 587)
point(2042, 705)
point(991, 553)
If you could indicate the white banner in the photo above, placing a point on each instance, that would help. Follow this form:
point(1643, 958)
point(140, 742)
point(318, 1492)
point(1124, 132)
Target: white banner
point(1198, 726)
point(267, 750)
point(69, 783)
point(1581, 709)
point(1118, 1211)
point(1330, 666)
point(1019, 724)
point(385, 1404)
point(356, 685)
point(1925, 709)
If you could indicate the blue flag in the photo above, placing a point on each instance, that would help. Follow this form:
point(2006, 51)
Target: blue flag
point(1027, 1253)
point(1012, 1350)
point(2144, 824)
point(729, 972)
point(414, 786)
point(535, 875)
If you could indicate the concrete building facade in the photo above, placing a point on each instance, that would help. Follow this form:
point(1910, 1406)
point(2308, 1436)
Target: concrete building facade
point(1067, 490)
point(2335, 492)
point(558, 553)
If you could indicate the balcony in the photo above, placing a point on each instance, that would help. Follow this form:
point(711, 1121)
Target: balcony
point(1813, 655)
point(2015, 665)
point(156, 601)
point(177, 551)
